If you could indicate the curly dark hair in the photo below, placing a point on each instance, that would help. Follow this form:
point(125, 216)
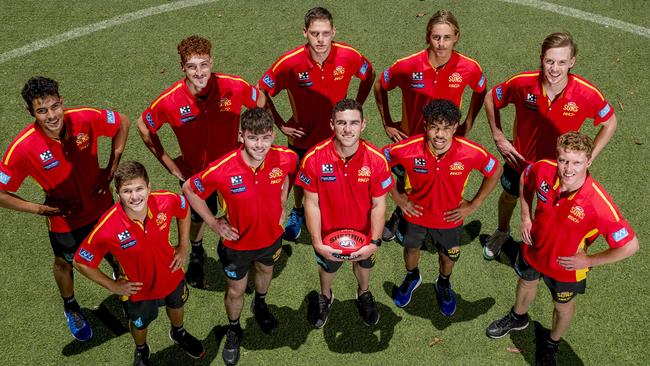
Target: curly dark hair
point(441, 111)
point(39, 87)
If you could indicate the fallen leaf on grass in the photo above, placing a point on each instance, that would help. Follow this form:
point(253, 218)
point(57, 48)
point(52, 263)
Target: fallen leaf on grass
point(162, 71)
point(420, 15)
point(435, 341)
point(513, 350)
point(621, 105)
point(638, 142)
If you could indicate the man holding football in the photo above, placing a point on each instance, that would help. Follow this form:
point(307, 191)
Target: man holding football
point(345, 180)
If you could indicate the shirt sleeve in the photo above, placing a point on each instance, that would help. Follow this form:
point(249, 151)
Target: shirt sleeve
point(614, 228)
point(602, 110)
point(179, 206)
point(205, 182)
point(502, 94)
point(273, 79)
point(391, 76)
point(307, 177)
point(107, 123)
point(249, 95)
point(154, 117)
point(382, 181)
point(530, 177)
point(365, 68)
point(477, 80)
point(489, 164)
point(91, 252)
point(12, 172)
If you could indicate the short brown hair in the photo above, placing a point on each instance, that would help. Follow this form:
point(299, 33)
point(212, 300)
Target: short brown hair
point(318, 13)
point(558, 40)
point(256, 121)
point(193, 45)
point(130, 170)
point(347, 105)
point(442, 16)
point(576, 141)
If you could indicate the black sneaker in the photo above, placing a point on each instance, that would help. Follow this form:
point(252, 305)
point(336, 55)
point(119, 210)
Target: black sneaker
point(320, 312)
point(264, 318)
point(230, 352)
point(367, 308)
point(546, 353)
point(391, 225)
point(141, 358)
point(503, 326)
point(188, 343)
point(195, 276)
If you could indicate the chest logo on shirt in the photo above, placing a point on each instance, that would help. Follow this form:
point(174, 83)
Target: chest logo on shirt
point(456, 168)
point(363, 175)
point(531, 101)
point(544, 187)
point(126, 240)
point(327, 169)
point(82, 141)
point(417, 78)
point(455, 80)
point(276, 175)
point(237, 180)
point(570, 109)
point(576, 214)
point(161, 220)
point(420, 166)
point(186, 114)
point(339, 73)
point(224, 104)
point(304, 80)
point(48, 160)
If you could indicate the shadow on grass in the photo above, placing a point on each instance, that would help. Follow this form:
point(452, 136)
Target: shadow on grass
point(345, 332)
point(425, 305)
point(525, 341)
point(174, 355)
point(107, 321)
point(508, 252)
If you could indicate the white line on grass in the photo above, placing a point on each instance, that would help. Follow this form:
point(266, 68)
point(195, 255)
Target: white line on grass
point(88, 29)
point(591, 17)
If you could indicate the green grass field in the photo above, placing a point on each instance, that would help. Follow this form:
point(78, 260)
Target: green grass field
point(126, 66)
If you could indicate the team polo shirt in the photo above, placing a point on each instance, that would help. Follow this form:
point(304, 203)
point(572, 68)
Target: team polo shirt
point(252, 197)
point(421, 83)
point(345, 188)
point(143, 249)
point(206, 128)
point(563, 226)
point(540, 121)
point(66, 169)
point(314, 89)
point(437, 183)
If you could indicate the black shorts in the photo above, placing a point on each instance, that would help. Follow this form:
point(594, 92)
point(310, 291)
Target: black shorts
point(510, 180)
point(332, 267)
point(414, 236)
point(237, 263)
point(213, 205)
point(562, 292)
point(142, 313)
point(301, 152)
point(65, 245)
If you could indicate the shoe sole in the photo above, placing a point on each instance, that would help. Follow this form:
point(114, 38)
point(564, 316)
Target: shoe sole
point(410, 297)
point(75, 337)
point(369, 324)
point(187, 353)
point(487, 257)
point(294, 238)
point(328, 314)
point(506, 333)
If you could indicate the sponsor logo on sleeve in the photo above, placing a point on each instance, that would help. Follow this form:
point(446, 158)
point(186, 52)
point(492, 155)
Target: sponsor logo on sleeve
point(482, 81)
point(198, 185)
point(527, 170)
point(183, 202)
point(364, 68)
point(4, 178)
point(387, 154)
point(253, 94)
point(386, 75)
point(110, 117)
point(268, 81)
point(305, 179)
point(490, 165)
point(603, 112)
point(499, 93)
point(149, 119)
point(386, 182)
point(86, 255)
point(620, 235)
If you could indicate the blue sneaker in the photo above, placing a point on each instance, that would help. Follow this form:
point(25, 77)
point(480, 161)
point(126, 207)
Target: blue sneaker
point(294, 224)
point(446, 299)
point(78, 325)
point(402, 295)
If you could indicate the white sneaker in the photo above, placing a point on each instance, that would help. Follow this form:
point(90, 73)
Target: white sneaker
point(494, 243)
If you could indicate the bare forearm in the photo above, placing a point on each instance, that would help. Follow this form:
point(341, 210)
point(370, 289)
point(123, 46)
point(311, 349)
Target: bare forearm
point(198, 204)
point(313, 217)
point(95, 275)
point(17, 203)
point(377, 216)
point(487, 186)
point(381, 98)
point(365, 86)
point(603, 136)
point(613, 255)
point(474, 107)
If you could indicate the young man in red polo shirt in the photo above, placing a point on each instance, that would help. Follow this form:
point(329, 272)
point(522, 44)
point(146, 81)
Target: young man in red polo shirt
point(59, 150)
point(436, 72)
point(345, 180)
point(548, 102)
point(136, 231)
point(316, 76)
point(254, 183)
point(572, 210)
point(203, 111)
point(437, 166)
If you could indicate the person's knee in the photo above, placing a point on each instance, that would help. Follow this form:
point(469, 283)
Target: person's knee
point(564, 308)
point(235, 292)
point(508, 198)
point(61, 266)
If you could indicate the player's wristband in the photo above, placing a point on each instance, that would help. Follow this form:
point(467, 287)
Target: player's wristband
point(377, 242)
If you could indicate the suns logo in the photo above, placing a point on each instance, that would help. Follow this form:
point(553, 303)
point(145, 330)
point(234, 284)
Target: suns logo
point(82, 141)
point(161, 220)
point(455, 78)
point(224, 104)
point(571, 107)
point(364, 171)
point(457, 166)
point(339, 73)
point(577, 213)
point(276, 173)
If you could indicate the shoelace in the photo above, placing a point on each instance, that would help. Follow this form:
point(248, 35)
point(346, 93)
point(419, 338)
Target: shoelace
point(77, 320)
point(232, 339)
point(293, 218)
